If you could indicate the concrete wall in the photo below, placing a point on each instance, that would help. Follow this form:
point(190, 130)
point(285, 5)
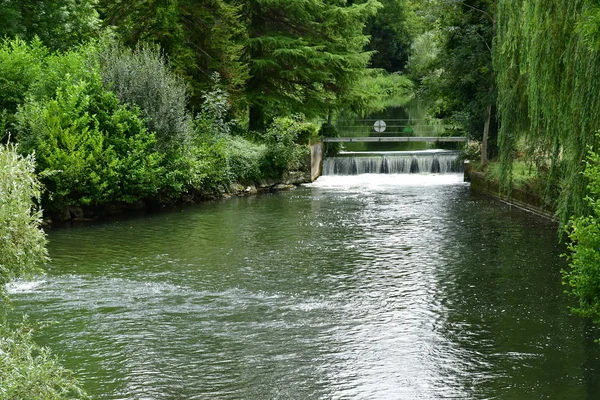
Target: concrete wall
point(316, 160)
point(525, 199)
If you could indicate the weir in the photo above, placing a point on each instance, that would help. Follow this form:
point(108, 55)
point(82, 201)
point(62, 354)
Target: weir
point(394, 162)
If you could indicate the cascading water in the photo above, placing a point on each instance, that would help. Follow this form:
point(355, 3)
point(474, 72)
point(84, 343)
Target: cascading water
point(425, 162)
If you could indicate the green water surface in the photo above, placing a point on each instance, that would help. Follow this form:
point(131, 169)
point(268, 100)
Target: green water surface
point(364, 287)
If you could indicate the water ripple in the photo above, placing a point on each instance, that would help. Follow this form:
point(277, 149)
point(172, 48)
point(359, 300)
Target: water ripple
point(369, 287)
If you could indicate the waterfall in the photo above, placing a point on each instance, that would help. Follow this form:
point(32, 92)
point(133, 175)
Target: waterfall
point(426, 162)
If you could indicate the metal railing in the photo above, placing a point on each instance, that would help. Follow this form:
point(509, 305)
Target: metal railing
point(396, 130)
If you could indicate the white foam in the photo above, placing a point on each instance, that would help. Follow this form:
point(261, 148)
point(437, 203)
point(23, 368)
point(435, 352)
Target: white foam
point(21, 286)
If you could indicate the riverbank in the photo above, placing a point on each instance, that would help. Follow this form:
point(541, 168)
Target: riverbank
point(310, 170)
point(526, 199)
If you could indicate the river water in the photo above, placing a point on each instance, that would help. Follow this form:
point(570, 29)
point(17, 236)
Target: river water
point(362, 287)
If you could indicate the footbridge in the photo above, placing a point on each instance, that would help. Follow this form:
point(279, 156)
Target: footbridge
point(391, 130)
point(428, 161)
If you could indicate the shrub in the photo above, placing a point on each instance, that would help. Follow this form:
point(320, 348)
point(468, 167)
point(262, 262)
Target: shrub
point(244, 160)
point(211, 168)
point(91, 149)
point(20, 66)
point(212, 119)
point(57, 68)
point(282, 152)
point(583, 277)
point(26, 370)
point(142, 77)
point(22, 243)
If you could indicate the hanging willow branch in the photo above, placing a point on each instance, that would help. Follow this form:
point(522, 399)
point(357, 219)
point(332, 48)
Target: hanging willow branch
point(548, 75)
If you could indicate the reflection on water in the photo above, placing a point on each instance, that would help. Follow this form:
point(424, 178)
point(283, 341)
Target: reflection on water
point(363, 287)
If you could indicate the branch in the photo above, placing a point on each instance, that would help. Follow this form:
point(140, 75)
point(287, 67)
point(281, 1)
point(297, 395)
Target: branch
point(485, 42)
point(478, 9)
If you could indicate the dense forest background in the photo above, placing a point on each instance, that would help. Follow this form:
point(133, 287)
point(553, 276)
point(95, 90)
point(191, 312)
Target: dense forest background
point(122, 102)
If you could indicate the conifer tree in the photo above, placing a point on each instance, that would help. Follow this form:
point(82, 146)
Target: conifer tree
point(303, 55)
point(198, 36)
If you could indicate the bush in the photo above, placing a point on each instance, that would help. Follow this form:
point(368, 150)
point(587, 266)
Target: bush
point(26, 370)
point(223, 158)
point(57, 68)
point(90, 149)
point(22, 243)
point(583, 277)
point(143, 78)
point(210, 168)
point(212, 119)
point(282, 153)
point(20, 66)
point(244, 160)
point(30, 372)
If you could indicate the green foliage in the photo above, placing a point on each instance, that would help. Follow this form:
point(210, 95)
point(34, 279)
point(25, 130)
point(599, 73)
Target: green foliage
point(30, 372)
point(22, 242)
point(30, 70)
point(91, 149)
point(60, 24)
point(392, 32)
point(282, 152)
point(73, 65)
point(423, 55)
point(210, 166)
point(212, 119)
point(26, 370)
point(303, 56)
point(20, 67)
point(244, 159)
point(143, 78)
point(375, 90)
point(330, 149)
point(460, 84)
point(583, 277)
point(548, 72)
point(524, 175)
point(198, 37)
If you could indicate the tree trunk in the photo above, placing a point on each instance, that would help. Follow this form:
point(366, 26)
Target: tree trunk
point(486, 133)
point(488, 111)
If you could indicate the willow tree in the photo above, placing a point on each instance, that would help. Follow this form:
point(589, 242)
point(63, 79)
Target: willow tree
point(303, 55)
point(548, 68)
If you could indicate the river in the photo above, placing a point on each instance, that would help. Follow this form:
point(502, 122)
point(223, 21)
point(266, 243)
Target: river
point(362, 287)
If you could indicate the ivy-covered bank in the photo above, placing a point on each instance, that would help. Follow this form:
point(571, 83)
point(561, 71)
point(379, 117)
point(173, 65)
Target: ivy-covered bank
point(111, 129)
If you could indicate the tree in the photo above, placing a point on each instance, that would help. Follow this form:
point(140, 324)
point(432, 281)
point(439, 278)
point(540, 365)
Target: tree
point(22, 242)
point(392, 32)
point(548, 69)
point(60, 24)
point(583, 277)
point(461, 85)
point(199, 37)
point(302, 55)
